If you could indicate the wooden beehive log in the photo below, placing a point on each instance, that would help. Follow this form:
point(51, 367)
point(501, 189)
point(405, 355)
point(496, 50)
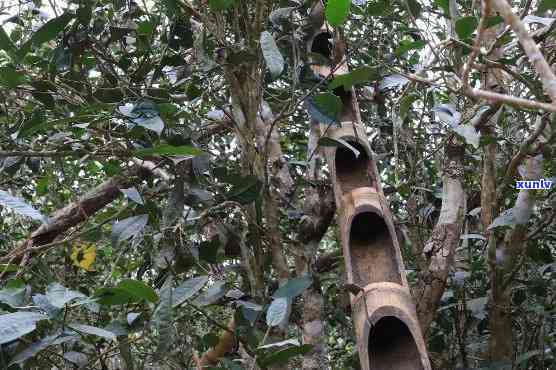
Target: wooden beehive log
point(388, 334)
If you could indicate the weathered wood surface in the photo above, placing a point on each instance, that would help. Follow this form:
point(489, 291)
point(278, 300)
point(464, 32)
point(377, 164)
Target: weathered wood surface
point(388, 333)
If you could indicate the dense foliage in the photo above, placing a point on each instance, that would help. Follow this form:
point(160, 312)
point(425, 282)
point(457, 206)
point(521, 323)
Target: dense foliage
point(143, 225)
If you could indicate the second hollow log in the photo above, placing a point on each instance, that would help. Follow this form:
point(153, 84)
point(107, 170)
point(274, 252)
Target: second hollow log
point(388, 333)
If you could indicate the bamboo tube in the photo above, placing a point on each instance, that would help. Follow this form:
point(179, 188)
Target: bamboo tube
point(388, 334)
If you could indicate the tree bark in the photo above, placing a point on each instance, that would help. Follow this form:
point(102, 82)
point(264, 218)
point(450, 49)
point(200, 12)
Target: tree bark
point(440, 248)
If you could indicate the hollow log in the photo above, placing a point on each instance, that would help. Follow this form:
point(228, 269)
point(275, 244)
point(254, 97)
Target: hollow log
point(388, 334)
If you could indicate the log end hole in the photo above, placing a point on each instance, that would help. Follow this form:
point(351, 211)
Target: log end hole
point(392, 346)
point(353, 172)
point(322, 44)
point(373, 258)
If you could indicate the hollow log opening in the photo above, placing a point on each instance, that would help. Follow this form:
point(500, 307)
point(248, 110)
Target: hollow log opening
point(392, 347)
point(371, 247)
point(322, 44)
point(353, 172)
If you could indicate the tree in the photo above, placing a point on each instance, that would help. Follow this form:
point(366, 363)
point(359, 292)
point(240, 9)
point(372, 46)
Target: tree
point(165, 200)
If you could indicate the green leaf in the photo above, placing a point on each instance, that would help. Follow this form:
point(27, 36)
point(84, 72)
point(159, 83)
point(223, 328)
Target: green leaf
point(221, 4)
point(6, 43)
point(358, 76)
point(212, 295)
point(545, 5)
point(506, 218)
point(272, 56)
point(284, 355)
point(51, 29)
point(378, 8)
point(125, 229)
point(133, 194)
point(46, 33)
point(19, 206)
point(493, 20)
point(337, 11)
point(17, 324)
point(188, 289)
point(163, 319)
point(328, 141)
point(166, 149)
point(14, 293)
point(324, 107)
point(414, 7)
point(12, 78)
point(406, 45)
point(93, 330)
point(293, 287)
point(113, 296)
point(38, 123)
point(405, 105)
point(278, 312)
point(138, 289)
point(58, 295)
point(41, 345)
point(246, 190)
point(444, 5)
point(465, 27)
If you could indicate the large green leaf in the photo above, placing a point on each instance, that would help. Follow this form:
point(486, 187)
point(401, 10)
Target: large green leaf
point(282, 356)
point(17, 324)
point(357, 76)
point(278, 312)
point(337, 11)
point(545, 5)
point(11, 77)
point(324, 107)
point(14, 293)
point(6, 43)
point(465, 26)
point(125, 229)
point(40, 345)
point(93, 330)
point(163, 319)
point(188, 289)
point(246, 189)
point(272, 56)
point(167, 149)
point(19, 206)
point(212, 294)
point(46, 33)
point(113, 296)
point(58, 295)
point(138, 289)
point(293, 287)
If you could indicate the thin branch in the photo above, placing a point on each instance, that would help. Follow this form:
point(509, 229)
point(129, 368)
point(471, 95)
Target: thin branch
point(495, 97)
point(529, 46)
point(476, 45)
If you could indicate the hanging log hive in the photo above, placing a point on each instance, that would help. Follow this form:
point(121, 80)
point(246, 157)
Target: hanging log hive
point(388, 334)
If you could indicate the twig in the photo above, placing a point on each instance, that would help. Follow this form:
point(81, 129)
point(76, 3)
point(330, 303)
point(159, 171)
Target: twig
point(509, 99)
point(476, 45)
point(530, 47)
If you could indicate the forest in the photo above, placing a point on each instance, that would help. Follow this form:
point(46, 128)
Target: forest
point(277, 184)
